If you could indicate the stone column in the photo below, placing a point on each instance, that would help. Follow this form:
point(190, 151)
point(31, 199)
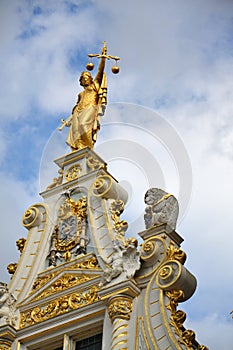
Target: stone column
point(7, 337)
point(119, 309)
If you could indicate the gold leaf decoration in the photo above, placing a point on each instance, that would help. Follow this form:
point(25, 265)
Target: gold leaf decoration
point(64, 282)
point(59, 306)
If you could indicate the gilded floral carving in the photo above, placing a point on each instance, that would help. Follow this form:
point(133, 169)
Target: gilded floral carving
point(120, 308)
point(59, 306)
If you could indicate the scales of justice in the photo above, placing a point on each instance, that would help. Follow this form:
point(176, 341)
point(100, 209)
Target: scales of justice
point(84, 121)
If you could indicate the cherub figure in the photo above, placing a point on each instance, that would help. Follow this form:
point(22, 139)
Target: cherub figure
point(7, 306)
point(162, 208)
point(115, 262)
point(53, 257)
point(131, 257)
point(125, 258)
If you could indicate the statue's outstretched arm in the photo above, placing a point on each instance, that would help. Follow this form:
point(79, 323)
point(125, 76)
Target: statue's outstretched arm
point(99, 75)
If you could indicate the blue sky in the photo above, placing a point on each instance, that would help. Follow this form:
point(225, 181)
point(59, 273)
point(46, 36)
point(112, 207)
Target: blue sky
point(176, 68)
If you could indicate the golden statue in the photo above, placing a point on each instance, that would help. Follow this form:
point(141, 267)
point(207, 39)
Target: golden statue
point(84, 122)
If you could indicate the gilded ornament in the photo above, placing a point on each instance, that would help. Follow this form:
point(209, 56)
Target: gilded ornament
point(177, 319)
point(187, 338)
point(66, 281)
point(120, 308)
point(20, 243)
point(165, 272)
point(148, 247)
point(59, 306)
point(89, 264)
point(115, 69)
point(5, 345)
point(175, 297)
point(153, 251)
point(116, 209)
point(177, 277)
point(90, 66)
point(11, 268)
point(41, 281)
point(78, 300)
point(102, 186)
point(70, 231)
point(169, 274)
point(73, 172)
point(94, 164)
point(56, 180)
point(30, 217)
point(175, 253)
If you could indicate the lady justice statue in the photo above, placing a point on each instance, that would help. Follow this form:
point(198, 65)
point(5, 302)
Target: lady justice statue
point(84, 122)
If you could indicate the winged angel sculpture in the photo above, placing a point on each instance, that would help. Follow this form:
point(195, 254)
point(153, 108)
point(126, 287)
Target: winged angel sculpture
point(162, 208)
point(124, 259)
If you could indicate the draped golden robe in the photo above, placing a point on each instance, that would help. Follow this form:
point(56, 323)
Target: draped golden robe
point(86, 114)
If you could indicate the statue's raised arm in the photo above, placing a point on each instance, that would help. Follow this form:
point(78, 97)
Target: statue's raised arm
point(100, 73)
point(84, 122)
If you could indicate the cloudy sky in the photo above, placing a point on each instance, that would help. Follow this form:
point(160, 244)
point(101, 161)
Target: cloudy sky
point(168, 122)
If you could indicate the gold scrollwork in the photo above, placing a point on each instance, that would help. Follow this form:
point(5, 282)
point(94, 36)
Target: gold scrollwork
point(177, 318)
point(30, 217)
point(120, 307)
point(78, 300)
point(41, 281)
point(64, 282)
point(174, 253)
point(153, 251)
point(202, 347)
point(148, 247)
point(102, 186)
point(169, 274)
point(59, 306)
point(90, 263)
point(187, 338)
point(165, 272)
point(73, 172)
point(5, 345)
point(116, 209)
point(94, 164)
point(175, 296)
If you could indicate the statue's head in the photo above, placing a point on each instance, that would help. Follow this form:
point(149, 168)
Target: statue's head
point(85, 79)
point(153, 195)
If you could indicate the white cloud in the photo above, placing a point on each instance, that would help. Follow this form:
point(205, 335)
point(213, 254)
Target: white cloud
point(215, 331)
point(15, 199)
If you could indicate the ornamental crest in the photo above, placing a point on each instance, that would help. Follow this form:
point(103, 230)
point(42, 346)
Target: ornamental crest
point(69, 236)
